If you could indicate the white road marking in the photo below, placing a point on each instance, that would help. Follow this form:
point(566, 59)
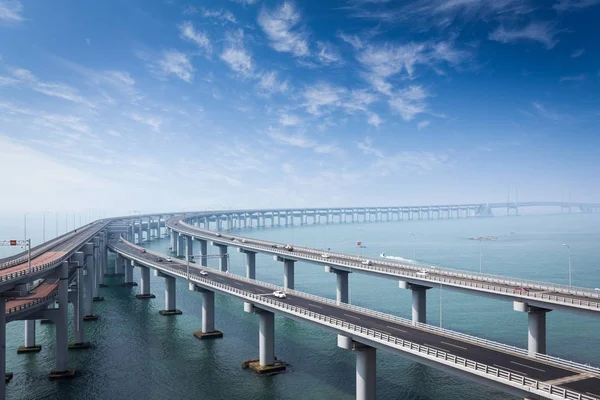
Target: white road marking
point(593, 394)
point(527, 366)
point(438, 348)
point(352, 316)
point(454, 345)
point(513, 370)
point(314, 305)
point(397, 329)
point(237, 283)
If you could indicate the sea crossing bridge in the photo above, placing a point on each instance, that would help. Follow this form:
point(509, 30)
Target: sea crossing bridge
point(29, 291)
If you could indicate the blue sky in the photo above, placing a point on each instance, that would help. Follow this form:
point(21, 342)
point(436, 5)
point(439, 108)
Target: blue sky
point(179, 104)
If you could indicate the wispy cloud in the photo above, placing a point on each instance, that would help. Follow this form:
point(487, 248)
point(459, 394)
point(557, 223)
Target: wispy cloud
point(423, 125)
point(374, 120)
point(245, 2)
point(572, 5)
point(151, 121)
point(289, 120)
point(236, 55)
point(11, 11)
point(59, 90)
point(221, 15)
point(409, 102)
point(541, 32)
point(367, 147)
point(577, 53)
point(322, 95)
point(189, 33)
point(573, 78)
point(270, 83)
point(303, 141)
point(544, 112)
point(281, 27)
point(327, 54)
point(174, 62)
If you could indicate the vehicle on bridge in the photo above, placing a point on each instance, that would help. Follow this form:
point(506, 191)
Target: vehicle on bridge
point(143, 251)
point(159, 259)
point(203, 273)
point(367, 262)
point(325, 255)
point(169, 259)
point(289, 247)
point(279, 294)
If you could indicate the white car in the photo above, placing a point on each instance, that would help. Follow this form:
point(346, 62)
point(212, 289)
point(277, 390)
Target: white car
point(218, 235)
point(422, 274)
point(203, 273)
point(169, 259)
point(367, 262)
point(279, 294)
point(325, 255)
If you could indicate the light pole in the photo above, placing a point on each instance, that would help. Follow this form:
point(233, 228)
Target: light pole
point(441, 287)
point(569, 250)
point(25, 225)
point(44, 226)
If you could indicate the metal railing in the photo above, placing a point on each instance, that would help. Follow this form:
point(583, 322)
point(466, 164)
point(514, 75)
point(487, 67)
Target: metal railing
point(386, 339)
point(446, 276)
point(31, 303)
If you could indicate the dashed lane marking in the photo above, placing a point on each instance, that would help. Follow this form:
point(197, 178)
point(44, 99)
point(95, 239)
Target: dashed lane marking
point(509, 369)
point(454, 345)
point(351, 316)
point(527, 366)
point(314, 305)
point(396, 329)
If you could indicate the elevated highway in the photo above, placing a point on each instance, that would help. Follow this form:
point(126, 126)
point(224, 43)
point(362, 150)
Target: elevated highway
point(505, 367)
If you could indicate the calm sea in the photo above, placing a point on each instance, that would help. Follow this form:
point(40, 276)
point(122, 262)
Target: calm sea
point(139, 354)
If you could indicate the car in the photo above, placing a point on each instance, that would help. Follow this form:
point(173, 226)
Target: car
point(143, 251)
point(325, 255)
point(159, 259)
point(289, 247)
point(274, 246)
point(169, 259)
point(367, 262)
point(203, 273)
point(244, 240)
point(422, 274)
point(232, 238)
point(521, 290)
point(279, 294)
point(218, 235)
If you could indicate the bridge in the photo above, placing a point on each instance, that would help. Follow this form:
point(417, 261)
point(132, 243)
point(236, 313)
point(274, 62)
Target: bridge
point(29, 291)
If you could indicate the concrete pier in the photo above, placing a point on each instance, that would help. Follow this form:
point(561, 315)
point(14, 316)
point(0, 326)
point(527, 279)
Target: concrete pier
point(288, 272)
point(208, 330)
point(189, 248)
point(180, 245)
point(267, 362)
point(98, 277)
point(366, 364)
point(250, 263)
point(3, 346)
point(144, 283)
point(203, 252)
point(536, 327)
point(128, 273)
point(90, 273)
point(223, 256)
point(29, 346)
point(77, 300)
point(170, 295)
point(173, 241)
point(341, 283)
point(419, 304)
point(61, 321)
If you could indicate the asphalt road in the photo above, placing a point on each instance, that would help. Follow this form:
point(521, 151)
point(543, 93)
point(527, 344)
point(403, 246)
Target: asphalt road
point(505, 360)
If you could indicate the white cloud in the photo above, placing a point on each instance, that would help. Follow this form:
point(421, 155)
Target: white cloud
point(176, 63)
point(328, 54)
point(374, 120)
point(236, 55)
point(367, 147)
point(88, 41)
point(153, 122)
point(58, 123)
point(11, 11)
point(409, 102)
point(221, 15)
point(59, 90)
point(544, 112)
point(114, 133)
point(280, 26)
point(304, 142)
point(245, 2)
point(320, 96)
point(542, 32)
point(572, 5)
point(287, 168)
point(577, 53)
point(423, 125)
point(269, 82)
point(289, 120)
point(573, 78)
point(189, 33)
point(358, 100)
point(353, 40)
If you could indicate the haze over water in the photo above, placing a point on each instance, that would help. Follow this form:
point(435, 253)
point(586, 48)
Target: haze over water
point(139, 354)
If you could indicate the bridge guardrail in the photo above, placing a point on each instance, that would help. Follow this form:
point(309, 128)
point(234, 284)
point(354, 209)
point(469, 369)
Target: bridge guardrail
point(340, 260)
point(31, 303)
point(386, 339)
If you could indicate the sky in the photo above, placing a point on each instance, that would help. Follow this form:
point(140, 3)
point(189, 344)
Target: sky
point(168, 105)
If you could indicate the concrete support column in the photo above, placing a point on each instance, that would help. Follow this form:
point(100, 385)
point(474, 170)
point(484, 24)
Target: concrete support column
point(223, 256)
point(366, 375)
point(61, 322)
point(203, 253)
point(173, 241)
point(170, 296)
point(208, 314)
point(266, 338)
point(288, 272)
point(29, 346)
point(119, 264)
point(144, 283)
point(90, 273)
point(189, 248)
point(128, 273)
point(536, 323)
point(250, 263)
point(78, 328)
point(180, 245)
point(419, 304)
point(341, 283)
point(3, 346)
point(98, 277)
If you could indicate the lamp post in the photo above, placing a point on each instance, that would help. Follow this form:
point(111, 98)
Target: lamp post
point(25, 225)
point(569, 250)
point(44, 226)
